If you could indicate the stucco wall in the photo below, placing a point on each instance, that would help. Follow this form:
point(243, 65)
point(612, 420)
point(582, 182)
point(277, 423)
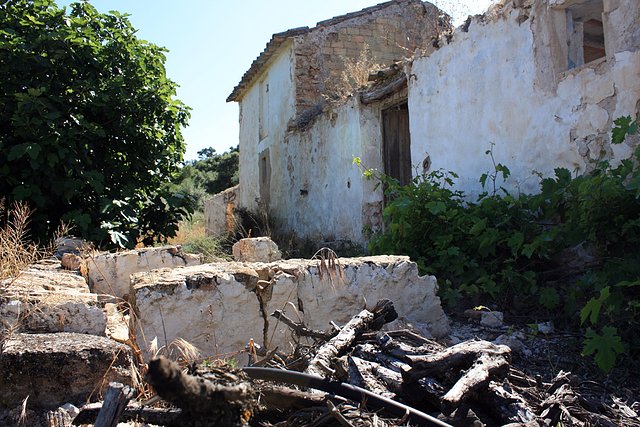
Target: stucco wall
point(318, 188)
point(501, 82)
point(278, 109)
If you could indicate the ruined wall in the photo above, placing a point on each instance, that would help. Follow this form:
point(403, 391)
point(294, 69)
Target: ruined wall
point(219, 212)
point(266, 108)
point(504, 80)
point(320, 192)
point(219, 307)
point(386, 33)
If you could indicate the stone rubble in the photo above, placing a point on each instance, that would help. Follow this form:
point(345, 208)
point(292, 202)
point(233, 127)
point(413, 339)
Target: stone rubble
point(50, 300)
point(55, 368)
point(257, 249)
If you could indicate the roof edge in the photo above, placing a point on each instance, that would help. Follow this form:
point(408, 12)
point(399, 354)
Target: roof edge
point(272, 46)
point(278, 39)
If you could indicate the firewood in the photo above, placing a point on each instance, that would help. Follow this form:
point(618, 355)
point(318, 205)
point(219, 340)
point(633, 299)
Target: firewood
point(484, 360)
point(382, 313)
point(115, 400)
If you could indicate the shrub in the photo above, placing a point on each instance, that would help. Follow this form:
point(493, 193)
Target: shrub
point(512, 250)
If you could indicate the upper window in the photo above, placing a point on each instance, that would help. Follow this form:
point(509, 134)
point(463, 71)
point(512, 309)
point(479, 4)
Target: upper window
point(585, 32)
point(263, 114)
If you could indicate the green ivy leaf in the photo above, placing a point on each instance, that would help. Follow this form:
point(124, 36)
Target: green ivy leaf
point(604, 347)
point(515, 242)
point(623, 126)
point(436, 207)
point(549, 298)
point(478, 227)
point(592, 309)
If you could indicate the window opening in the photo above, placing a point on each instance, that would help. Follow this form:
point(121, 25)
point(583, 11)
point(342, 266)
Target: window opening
point(263, 114)
point(585, 31)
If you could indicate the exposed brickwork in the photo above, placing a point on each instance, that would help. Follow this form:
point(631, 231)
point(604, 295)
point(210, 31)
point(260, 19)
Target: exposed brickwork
point(387, 33)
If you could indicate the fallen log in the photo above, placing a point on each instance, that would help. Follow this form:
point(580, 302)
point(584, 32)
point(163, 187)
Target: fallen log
point(482, 361)
point(459, 356)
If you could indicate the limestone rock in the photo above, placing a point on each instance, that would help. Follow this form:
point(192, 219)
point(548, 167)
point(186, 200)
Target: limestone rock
point(50, 300)
point(206, 305)
point(363, 282)
point(491, 319)
point(109, 273)
point(71, 261)
point(257, 249)
point(53, 369)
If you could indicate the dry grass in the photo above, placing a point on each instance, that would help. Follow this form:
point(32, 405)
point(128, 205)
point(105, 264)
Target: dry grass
point(16, 252)
point(189, 230)
point(355, 74)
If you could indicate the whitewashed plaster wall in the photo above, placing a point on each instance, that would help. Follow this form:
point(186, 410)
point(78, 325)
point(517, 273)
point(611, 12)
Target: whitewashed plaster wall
point(499, 83)
point(280, 108)
point(320, 192)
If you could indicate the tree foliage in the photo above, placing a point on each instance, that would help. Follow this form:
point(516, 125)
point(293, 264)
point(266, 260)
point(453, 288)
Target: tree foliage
point(89, 126)
point(210, 174)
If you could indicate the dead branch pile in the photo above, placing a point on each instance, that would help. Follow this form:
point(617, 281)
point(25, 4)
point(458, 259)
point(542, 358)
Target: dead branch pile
point(361, 376)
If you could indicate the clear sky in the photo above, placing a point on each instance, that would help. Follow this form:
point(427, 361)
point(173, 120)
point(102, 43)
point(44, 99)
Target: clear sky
point(212, 43)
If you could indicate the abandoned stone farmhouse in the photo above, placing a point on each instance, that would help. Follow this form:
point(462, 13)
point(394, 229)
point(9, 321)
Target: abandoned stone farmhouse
point(538, 81)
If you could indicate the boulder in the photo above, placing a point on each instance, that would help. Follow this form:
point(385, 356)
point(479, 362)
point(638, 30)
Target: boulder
point(491, 319)
point(52, 369)
point(257, 249)
point(109, 273)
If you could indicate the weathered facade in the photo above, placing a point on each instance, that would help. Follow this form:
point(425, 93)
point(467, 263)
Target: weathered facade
point(543, 82)
point(291, 85)
point(540, 81)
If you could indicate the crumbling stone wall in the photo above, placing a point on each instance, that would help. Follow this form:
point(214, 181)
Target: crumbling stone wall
point(219, 307)
point(387, 33)
point(503, 81)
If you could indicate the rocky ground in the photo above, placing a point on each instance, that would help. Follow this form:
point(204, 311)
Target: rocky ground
point(488, 370)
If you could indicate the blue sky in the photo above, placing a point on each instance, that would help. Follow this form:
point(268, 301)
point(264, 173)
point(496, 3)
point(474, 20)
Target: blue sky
point(212, 43)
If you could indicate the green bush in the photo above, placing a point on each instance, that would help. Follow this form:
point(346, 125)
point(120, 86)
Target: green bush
point(512, 250)
point(210, 174)
point(89, 127)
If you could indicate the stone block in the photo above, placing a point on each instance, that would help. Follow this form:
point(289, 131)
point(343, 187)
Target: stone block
point(213, 306)
point(53, 369)
point(491, 319)
point(50, 300)
point(109, 273)
point(363, 282)
point(257, 249)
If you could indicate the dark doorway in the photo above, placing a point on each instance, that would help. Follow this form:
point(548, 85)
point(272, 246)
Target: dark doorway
point(396, 143)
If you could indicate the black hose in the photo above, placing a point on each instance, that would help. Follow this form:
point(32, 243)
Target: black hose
point(348, 391)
